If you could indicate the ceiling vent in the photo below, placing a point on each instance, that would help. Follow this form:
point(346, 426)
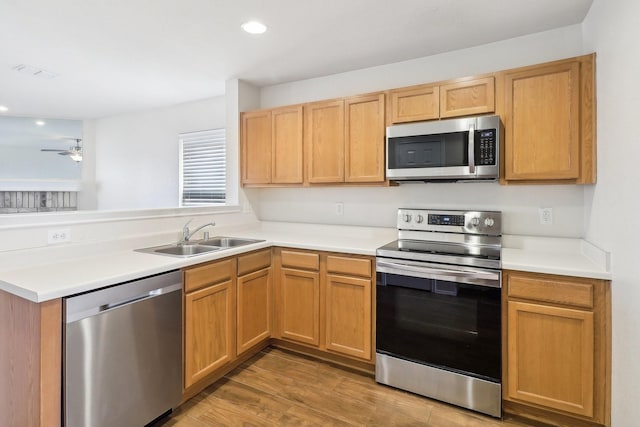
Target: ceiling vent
point(34, 71)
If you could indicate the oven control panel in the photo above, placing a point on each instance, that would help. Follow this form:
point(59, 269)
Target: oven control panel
point(467, 222)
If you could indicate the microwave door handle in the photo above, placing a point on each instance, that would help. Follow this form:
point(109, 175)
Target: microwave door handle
point(472, 151)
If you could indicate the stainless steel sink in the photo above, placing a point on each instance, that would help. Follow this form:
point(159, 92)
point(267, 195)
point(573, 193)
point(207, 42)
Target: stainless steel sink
point(228, 242)
point(199, 247)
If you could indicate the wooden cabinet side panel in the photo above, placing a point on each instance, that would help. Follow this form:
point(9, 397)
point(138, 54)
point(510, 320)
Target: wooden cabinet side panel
point(253, 309)
point(588, 120)
point(415, 104)
point(364, 139)
point(542, 122)
point(255, 147)
point(463, 98)
point(286, 159)
point(30, 361)
point(551, 357)
point(300, 306)
point(324, 141)
point(209, 326)
point(348, 316)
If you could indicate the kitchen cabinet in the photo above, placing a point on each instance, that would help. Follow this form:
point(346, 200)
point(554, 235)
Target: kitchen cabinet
point(253, 300)
point(324, 141)
point(298, 296)
point(256, 147)
point(344, 140)
point(549, 120)
point(209, 319)
point(558, 333)
point(324, 300)
point(364, 138)
point(271, 146)
point(455, 98)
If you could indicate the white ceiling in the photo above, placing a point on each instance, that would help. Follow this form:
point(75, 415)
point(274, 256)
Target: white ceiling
point(118, 56)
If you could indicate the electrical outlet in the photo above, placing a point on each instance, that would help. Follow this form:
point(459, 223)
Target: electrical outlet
point(58, 236)
point(339, 208)
point(546, 216)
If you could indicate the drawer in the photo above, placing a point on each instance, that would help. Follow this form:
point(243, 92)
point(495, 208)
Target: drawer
point(254, 261)
point(554, 289)
point(301, 260)
point(349, 265)
point(208, 274)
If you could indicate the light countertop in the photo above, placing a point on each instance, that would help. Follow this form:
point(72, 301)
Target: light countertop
point(48, 273)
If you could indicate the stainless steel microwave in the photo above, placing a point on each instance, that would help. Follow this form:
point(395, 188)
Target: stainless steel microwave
point(445, 150)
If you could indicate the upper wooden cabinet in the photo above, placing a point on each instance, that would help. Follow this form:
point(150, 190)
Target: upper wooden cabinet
point(557, 348)
point(549, 120)
point(461, 97)
point(364, 138)
point(464, 97)
point(324, 141)
point(256, 147)
point(344, 140)
point(414, 104)
point(271, 146)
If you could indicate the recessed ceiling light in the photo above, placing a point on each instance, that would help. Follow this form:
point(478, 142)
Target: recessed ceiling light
point(40, 123)
point(3, 109)
point(254, 27)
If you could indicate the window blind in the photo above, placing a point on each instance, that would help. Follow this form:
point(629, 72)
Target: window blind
point(202, 167)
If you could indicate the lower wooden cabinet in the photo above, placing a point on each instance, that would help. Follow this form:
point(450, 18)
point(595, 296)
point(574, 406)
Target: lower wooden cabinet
point(324, 300)
point(557, 347)
point(253, 309)
point(348, 316)
point(209, 318)
point(209, 330)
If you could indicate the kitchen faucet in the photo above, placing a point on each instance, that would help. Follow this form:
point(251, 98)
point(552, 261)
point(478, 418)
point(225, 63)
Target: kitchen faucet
point(186, 234)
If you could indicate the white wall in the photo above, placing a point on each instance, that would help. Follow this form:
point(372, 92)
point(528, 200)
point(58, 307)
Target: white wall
point(612, 206)
point(137, 153)
point(376, 206)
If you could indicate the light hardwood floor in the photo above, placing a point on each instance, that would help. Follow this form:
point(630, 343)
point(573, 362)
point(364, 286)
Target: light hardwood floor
point(279, 388)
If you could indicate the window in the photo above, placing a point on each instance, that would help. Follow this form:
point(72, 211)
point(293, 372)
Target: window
point(202, 168)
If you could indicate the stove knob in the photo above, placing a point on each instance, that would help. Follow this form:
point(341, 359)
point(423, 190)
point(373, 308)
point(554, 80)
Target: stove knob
point(419, 219)
point(406, 217)
point(475, 221)
point(489, 222)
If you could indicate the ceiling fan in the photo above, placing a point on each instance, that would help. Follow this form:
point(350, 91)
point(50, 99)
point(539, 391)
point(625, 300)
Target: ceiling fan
point(75, 153)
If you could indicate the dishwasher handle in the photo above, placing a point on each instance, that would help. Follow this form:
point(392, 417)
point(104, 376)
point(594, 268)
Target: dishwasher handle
point(148, 295)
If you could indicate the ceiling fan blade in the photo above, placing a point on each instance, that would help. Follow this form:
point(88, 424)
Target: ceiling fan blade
point(65, 153)
point(51, 149)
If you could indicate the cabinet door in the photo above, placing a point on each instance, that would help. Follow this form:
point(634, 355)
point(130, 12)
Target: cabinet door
point(348, 316)
point(256, 147)
point(209, 331)
point(463, 98)
point(550, 357)
point(286, 136)
point(253, 309)
point(415, 104)
point(299, 306)
point(542, 122)
point(364, 133)
point(324, 141)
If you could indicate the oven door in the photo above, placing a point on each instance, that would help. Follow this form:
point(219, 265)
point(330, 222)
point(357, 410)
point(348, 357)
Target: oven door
point(447, 317)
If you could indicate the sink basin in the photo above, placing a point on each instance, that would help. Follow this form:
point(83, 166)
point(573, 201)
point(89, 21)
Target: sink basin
point(178, 250)
point(199, 247)
point(228, 242)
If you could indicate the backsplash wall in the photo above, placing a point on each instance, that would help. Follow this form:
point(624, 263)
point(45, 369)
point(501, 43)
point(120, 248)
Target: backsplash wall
point(377, 206)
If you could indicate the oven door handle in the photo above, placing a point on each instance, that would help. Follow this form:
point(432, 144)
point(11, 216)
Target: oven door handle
point(474, 277)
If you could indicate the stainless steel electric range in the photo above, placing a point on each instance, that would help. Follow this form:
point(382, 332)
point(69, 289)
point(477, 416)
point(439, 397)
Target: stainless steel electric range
point(438, 327)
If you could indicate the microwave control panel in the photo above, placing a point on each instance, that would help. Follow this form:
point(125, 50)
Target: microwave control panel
point(486, 147)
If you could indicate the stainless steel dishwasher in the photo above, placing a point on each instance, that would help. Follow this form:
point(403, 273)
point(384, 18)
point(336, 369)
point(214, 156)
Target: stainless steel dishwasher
point(123, 353)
